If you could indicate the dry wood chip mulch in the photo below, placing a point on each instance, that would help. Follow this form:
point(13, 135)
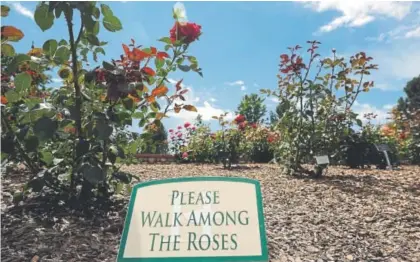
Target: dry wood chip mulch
point(348, 215)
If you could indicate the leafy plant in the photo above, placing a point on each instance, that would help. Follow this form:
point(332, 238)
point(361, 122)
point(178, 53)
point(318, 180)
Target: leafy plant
point(316, 104)
point(74, 138)
point(252, 107)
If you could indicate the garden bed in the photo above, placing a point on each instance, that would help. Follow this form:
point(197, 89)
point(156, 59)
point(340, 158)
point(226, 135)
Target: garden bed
point(360, 215)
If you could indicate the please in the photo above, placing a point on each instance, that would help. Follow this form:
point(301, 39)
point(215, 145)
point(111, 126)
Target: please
point(194, 198)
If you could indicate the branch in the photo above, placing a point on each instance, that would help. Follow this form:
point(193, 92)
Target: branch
point(80, 34)
point(32, 166)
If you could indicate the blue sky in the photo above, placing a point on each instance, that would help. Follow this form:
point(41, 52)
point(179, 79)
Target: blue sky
point(242, 41)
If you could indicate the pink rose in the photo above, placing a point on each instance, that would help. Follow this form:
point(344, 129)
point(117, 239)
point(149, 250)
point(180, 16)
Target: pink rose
point(179, 135)
point(187, 124)
point(193, 128)
point(179, 127)
point(171, 130)
point(185, 155)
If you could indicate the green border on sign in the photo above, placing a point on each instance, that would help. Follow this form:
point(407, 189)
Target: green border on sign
point(263, 239)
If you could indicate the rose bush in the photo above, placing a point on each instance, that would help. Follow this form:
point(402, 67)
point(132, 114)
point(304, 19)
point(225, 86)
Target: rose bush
point(315, 106)
point(74, 138)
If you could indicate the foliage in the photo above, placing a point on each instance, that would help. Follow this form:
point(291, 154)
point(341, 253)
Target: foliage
point(157, 142)
point(201, 147)
point(75, 136)
point(316, 104)
point(179, 140)
point(406, 117)
point(252, 107)
point(258, 143)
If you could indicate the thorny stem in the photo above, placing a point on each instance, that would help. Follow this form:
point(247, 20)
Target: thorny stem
point(300, 96)
point(78, 98)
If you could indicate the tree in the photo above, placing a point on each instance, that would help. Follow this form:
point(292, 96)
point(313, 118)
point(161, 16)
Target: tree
point(411, 103)
point(253, 108)
point(407, 118)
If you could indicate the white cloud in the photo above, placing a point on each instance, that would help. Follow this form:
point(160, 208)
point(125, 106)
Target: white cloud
point(389, 106)
point(18, 7)
point(396, 62)
point(402, 31)
point(243, 88)
point(236, 83)
point(57, 80)
point(256, 85)
point(413, 33)
point(359, 13)
point(382, 113)
point(206, 111)
point(212, 99)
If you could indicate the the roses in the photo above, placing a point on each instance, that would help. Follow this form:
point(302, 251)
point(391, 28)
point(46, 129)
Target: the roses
point(191, 32)
point(187, 124)
point(185, 155)
point(240, 119)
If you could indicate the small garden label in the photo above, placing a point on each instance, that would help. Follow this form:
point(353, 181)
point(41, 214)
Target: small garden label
point(195, 219)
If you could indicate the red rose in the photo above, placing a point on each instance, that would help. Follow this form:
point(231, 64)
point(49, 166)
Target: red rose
point(240, 119)
point(242, 125)
point(187, 124)
point(191, 32)
point(254, 125)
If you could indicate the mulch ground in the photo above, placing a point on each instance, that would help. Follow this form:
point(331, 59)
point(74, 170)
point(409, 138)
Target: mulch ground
point(348, 215)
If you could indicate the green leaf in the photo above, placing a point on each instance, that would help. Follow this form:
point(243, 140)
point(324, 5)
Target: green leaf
point(62, 55)
point(47, 157)
point(95, 29)
point(17, 60)
point(59, 9)
point(32, 102)
point(93, 174)
point(100, 50)
point(31, 144)
point(166, 40)
point(43, 17)
point(119, 188)
point(45, 128)
point(5, 10)
point(50, 46)
point(142, 122)
point(137, 115)
point(40, 110)
point(95, 12)
point(128, 103)
point(106, 10)
point(62, 42)
point(12, 96)
point(82, 148)
point(108, 66)
point(93, 40)
point(7, 50)
point(184, 68)
point(122, 176)
point(112, 23)
point(103, 130)
point(159, 63)
point(64, 73)
point(359, 122)
point(22, 82)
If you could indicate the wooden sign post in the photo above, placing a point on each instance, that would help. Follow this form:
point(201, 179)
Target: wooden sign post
point(195, 219)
